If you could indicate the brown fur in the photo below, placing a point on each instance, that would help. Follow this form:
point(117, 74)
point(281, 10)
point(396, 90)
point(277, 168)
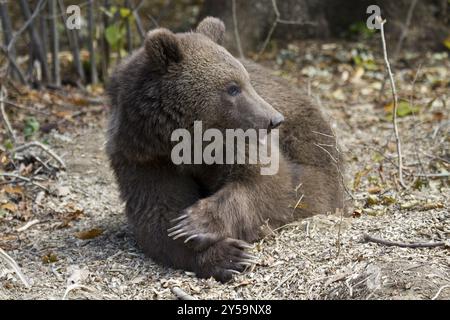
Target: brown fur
point(173, 81)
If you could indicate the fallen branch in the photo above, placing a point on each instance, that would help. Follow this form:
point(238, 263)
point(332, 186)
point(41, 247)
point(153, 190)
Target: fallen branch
point(5, 116)
point(369, 238)
point(73, 287)
point(12, 175)
point(434, 175)
point(45, 148)
point(181, 294)
point(10, 261)
point(28, 225)
point(440, 290)
point(394, 112)
point(416, 147)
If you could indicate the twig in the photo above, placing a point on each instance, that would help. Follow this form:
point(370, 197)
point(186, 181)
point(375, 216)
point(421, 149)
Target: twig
point(12, 175)
point(274, 25)
point(24, 27)
point(434, 175)
point(30, 109)
point(395, 97)
point(440, 290)
point(236, 31)
point(5, 116)
point(411, 102)
point(14, 64)
point(153, 20)
point(405, 28)
point(369, 238)
point(328, 152)
point(401, 39)
point(45, 148)
point(28, 225)
point(181, 294)
point(138, 21)
point(74, 287)
point(10, 261)
point(289, 276)
point(338, 240)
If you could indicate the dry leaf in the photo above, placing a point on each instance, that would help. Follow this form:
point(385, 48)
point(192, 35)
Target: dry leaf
point(374, 190)
point(13, 190)
point(49, 258)
point(9, 206)
point(89, 234)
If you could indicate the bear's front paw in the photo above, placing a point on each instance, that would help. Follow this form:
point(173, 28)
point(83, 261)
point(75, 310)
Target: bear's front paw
point(226, 258)
point(196, 226)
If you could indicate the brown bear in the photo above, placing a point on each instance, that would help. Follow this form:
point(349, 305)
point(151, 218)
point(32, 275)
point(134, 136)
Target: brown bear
point(201, 217)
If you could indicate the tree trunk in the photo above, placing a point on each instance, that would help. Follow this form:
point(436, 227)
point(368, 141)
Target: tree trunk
point(329, 18)
point(54, 36)
point(72, 36)
point(36, 41)
point(91, 44)
point(7, 36)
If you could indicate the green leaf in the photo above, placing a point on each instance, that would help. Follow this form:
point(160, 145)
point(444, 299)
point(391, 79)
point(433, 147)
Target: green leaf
point(113, 35)
point(125, 12)
point(404, 109)
point(446, 42)
point(31, 126)
point(8, 145)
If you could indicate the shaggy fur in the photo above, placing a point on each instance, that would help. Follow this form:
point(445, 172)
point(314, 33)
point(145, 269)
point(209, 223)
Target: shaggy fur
point(211, 211)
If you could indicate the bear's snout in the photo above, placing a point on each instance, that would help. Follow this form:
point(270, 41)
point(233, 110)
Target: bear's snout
point(276, 121)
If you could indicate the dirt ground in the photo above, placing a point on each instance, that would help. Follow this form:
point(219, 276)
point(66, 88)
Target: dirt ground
point(81, 248)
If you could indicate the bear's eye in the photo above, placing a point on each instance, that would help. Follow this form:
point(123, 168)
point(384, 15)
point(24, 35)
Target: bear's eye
point(233, 90)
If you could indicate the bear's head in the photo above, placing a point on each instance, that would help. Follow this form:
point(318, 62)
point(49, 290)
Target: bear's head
point(179, 78)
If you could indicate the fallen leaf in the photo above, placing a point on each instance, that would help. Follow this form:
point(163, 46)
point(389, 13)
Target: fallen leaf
point(403, 109)
point(49, 258)
point(446, 42)
point(13, 190)
point(372, 200)
point(9, 206)
point(374, 190)
point(89, 234)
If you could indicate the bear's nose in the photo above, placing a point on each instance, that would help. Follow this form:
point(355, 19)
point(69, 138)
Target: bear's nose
point(276, 121)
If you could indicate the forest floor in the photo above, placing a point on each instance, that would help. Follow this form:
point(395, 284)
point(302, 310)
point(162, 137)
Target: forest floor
point(73, 242)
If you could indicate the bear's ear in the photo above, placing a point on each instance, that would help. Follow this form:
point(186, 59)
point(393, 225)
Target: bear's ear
point(213, 28)
point(162, 47)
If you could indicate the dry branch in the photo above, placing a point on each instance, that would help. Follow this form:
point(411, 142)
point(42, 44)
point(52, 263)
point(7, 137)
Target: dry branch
point(274, 25)
point(181, 294)
point(45, 148)
point(10, 261)
point(25, 179)
point(4, 115)
point(369, 238)
point(394, 112)
point(439, 291)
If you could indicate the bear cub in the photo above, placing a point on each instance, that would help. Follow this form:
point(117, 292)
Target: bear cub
point(202, 217)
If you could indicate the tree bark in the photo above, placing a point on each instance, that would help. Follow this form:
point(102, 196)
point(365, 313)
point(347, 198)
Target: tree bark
point(36, 41)
point(72, 36)
point(7, 36)
point(54, 36)
point(91, 44)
